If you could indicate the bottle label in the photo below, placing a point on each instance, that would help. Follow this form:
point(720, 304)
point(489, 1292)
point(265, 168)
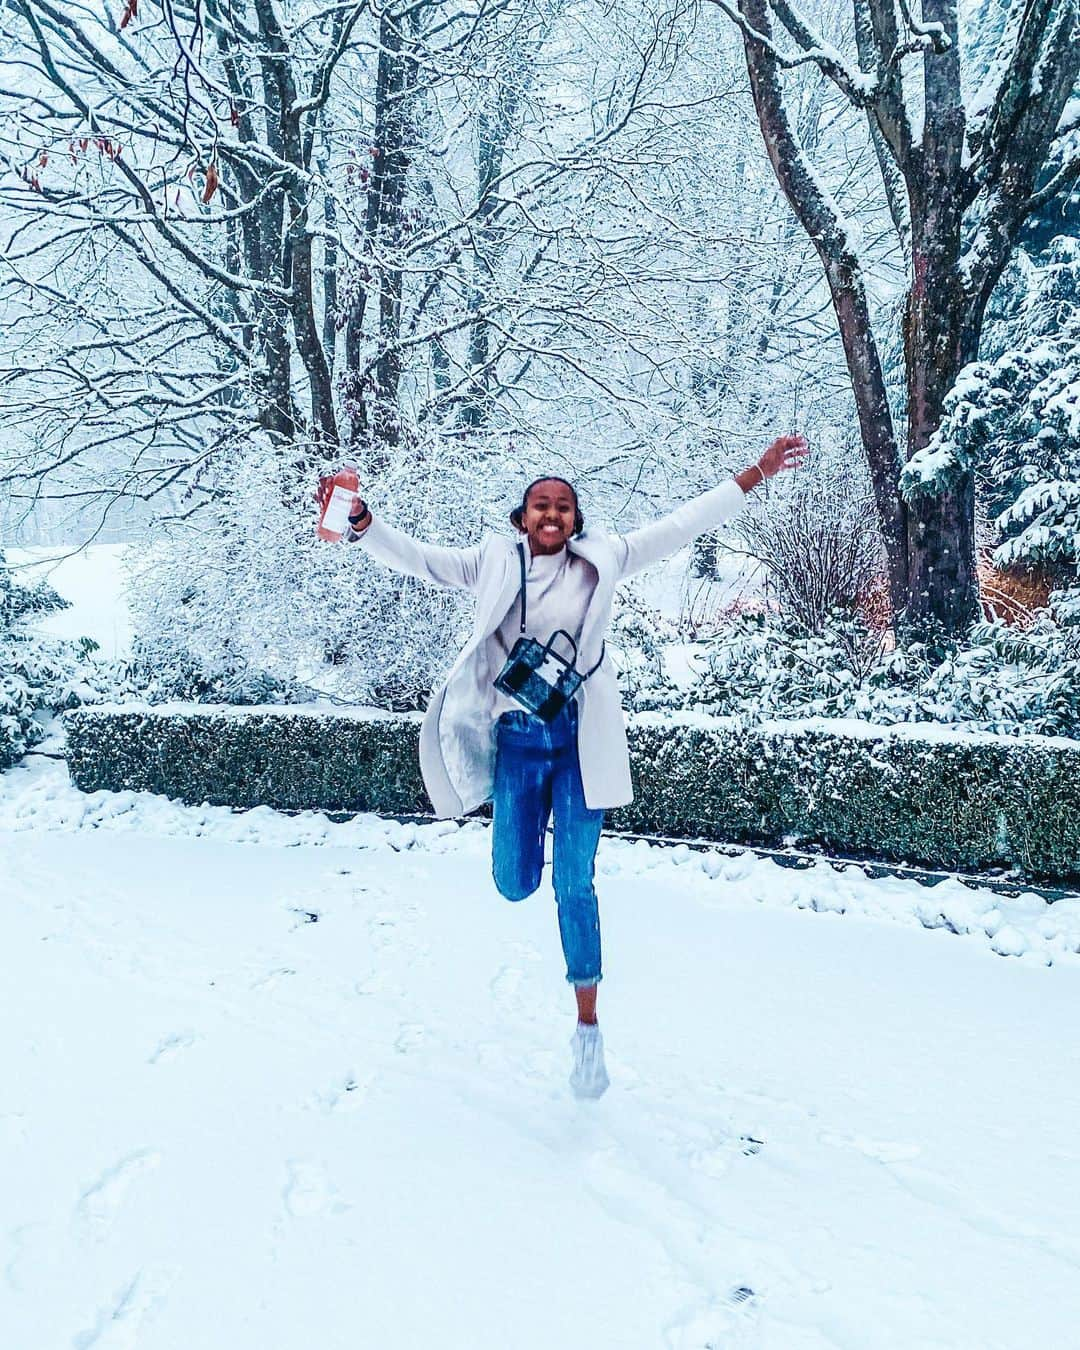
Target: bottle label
point(336, 515)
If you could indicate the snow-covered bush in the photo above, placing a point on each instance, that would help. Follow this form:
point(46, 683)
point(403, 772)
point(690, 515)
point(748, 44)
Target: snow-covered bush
point(240, 602)
point(945, 799)
point(771, 666)
point(998, 679)
point(639, 636)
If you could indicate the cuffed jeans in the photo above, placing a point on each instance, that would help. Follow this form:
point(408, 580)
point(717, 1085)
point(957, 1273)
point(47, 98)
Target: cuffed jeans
point(537, 777)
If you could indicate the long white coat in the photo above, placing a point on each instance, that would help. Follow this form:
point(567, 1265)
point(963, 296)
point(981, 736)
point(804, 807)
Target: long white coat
point(457, 744)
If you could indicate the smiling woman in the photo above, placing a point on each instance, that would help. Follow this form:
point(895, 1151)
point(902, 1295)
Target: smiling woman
point(487, 737)
point(549, 514)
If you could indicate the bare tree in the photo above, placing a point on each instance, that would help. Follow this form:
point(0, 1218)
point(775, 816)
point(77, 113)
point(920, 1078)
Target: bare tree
point(337, 225)
point(820, 548)
point(960, 181)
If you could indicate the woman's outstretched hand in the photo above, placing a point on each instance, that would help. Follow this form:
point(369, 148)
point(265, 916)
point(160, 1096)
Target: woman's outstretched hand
point(358, 515)
point(786, 452)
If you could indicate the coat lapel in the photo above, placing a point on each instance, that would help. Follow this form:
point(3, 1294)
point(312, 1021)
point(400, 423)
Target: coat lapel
point(597, 551)
point(502, 595)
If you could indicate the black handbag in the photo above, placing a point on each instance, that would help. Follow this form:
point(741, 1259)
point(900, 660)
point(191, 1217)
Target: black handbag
point(535, 675)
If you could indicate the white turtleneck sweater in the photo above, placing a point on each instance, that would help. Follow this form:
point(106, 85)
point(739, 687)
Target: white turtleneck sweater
point(558, 588)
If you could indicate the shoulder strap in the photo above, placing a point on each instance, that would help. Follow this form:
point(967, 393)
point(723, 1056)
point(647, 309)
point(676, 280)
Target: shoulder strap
point(603, 645)
point(521, 559)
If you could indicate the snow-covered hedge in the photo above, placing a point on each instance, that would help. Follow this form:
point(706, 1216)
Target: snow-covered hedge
point(909, 793)
point(913, 793)
point(286, 757)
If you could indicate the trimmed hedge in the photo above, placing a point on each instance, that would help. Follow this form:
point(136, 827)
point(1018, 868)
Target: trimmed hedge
point(921, 795)
point(279, 756)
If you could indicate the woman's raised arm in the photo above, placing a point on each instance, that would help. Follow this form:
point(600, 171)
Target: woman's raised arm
point(452, 567)
point(660, 539)
point(457, 568)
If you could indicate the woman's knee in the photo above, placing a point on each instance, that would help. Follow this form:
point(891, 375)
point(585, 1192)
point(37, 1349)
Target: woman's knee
point(514, 885)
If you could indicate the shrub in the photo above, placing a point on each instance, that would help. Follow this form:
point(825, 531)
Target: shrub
point(914, 794)
point(999, 679)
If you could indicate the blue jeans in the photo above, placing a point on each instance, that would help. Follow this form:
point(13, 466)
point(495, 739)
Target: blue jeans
point(536, 778)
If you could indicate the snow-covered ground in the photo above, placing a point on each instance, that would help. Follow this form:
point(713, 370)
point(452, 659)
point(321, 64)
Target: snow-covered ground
point(91, 579)
point(273, 1082)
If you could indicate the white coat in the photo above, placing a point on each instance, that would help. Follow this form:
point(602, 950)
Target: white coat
point(457, 743)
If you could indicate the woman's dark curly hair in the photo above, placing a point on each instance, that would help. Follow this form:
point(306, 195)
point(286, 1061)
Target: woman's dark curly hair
point(517, 515)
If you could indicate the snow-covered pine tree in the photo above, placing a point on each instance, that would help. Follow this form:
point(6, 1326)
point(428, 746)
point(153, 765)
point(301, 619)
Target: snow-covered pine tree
point(34, 671)
point(1014, 419)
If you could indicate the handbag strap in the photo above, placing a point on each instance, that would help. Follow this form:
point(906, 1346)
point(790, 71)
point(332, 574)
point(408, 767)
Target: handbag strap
point(603, 645)
point(561, 632)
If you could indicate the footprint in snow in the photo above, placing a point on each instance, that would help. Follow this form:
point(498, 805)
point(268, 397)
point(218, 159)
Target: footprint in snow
point(411, 1037)
point(272, 978)
point(347, 1093)
point(172, 1045)
point(119, 1323)
point(308, 1192)
point(99, 1204)
point(394, 931)
point(506, 987)
point(730, 1323)
point(303, 916)
point(375, 983)
point(718, 1155)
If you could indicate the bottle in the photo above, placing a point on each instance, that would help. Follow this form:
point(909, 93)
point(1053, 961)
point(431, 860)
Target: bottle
point(337, 503)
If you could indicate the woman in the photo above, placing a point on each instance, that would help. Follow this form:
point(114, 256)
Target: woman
point(478, 744)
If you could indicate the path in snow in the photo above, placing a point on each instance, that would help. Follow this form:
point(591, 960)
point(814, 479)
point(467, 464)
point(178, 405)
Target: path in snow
point(264, 1090)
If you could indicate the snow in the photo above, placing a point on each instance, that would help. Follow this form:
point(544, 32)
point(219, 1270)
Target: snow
point(92, 580)
point(272, 1081)
point(348, 712)
point(930, 733)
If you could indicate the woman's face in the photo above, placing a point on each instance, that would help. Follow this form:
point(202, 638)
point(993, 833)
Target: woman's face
point(548, 518)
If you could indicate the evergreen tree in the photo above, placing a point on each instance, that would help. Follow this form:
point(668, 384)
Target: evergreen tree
point(33, 670)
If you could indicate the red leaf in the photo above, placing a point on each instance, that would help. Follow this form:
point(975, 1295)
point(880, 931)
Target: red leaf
point(234, 115)
point(211, 183)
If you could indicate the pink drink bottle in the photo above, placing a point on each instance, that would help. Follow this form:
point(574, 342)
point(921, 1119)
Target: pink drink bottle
point(337, 498)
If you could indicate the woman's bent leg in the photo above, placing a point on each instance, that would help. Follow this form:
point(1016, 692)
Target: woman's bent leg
point(521, 806)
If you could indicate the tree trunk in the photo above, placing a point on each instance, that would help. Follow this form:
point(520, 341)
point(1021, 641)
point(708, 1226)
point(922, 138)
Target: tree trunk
point(375, 410)
point(825, 224)
point(939, 340)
